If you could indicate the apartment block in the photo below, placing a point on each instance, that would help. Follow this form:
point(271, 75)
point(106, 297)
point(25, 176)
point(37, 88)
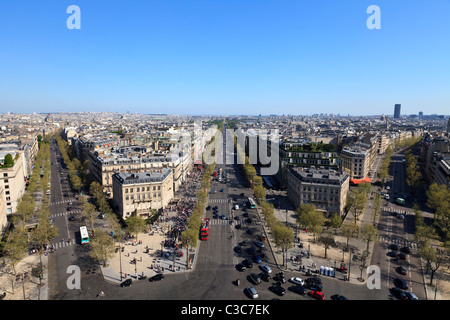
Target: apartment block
point(326, 189)
point(140, 193)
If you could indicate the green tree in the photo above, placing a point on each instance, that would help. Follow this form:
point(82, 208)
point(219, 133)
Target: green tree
point(283, 238)
point(369, 233)
point(14, 250)
point(135, 225)
point(9, 161)
point(102, 247)
point(327, 239)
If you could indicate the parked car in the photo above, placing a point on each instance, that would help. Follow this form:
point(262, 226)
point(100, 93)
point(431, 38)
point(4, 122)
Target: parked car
point(248, 263)
point(257, 259)
point(156, 277)
point(405, 250)
point(314, 280)
point(279, 278)
point(410, 295)
point(253, 277)
point(279, 290)
point(402, 270)
point(240, 267)
point(126, 283)
point(259, 244)
point(251, 292)
point(398, 293)
point(72, 218)
point(400, 283)
point(313, 286)
point(338, 297)
point(317, 295)
point(402, 256)
point(298, 289)
point(265, 276)
point(238, 249)
point(265, 268)
point(297, 280)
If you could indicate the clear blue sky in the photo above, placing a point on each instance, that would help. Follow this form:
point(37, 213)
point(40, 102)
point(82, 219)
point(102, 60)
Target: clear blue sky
point(225, 57)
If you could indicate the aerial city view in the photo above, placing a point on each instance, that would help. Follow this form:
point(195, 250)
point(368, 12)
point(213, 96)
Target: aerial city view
point(242, 151)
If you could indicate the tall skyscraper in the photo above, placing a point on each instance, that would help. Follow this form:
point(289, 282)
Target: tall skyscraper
point(397, 111)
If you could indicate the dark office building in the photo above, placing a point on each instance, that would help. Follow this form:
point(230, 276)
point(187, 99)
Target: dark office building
point(397, 111)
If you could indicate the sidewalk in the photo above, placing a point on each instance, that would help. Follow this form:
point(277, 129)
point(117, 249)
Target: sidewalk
point(150, 254)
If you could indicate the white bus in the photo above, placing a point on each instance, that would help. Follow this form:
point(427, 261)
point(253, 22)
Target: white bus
point(84, 235)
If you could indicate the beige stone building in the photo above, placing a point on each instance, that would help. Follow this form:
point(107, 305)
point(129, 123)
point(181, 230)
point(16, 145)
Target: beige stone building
point(12, 180)
point(102, 166)
point(326, 189)
point(139, 193)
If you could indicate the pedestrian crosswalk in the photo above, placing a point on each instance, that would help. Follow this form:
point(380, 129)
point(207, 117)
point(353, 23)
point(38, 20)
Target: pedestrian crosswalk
point(401, 242)
point(398, 211)
point(61, 244)
point(62, 202)
point(60, 214)
point(221, 222)
point(219, 200)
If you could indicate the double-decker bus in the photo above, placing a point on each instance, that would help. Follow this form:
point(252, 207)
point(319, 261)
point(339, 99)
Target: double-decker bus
point(84, 235)
point(204, 230)
point(251, 202)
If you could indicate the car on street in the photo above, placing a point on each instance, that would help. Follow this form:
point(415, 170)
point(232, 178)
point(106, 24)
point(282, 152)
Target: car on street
point(393, 247)
point(317, 295)
point(313, 286)
point(259, 244)
point(401, 256)
point(265, 268)
point(223, 216)
point(257, 259)
point(251, 292)
point(296, 280)
point(400, 283)
point(314, 280)
point(265, 276)
point(72, 218)
point(338, 297)
point(254, 278)
point(156, 277)
point(405, 250)
point(241, 267)
point(398, 293)
point(69, 208)
point(410, 295)
point(402, 270)
point(126, 283)
point(279, 290)
point(279, 278)
point(298, 289)
point(236, 207)
point(401, 217)
point(248, 263)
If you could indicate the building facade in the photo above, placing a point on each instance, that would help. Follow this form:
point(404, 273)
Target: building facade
point(326, 189)
point(140, 193)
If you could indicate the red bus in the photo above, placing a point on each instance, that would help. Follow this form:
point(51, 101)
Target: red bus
point(204, 230)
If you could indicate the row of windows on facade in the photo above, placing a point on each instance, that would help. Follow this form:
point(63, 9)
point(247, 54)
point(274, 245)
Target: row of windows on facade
point(138, 196)
point(142, 189)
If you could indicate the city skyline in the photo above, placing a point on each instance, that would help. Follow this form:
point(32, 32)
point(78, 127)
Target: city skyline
point(225, 58)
